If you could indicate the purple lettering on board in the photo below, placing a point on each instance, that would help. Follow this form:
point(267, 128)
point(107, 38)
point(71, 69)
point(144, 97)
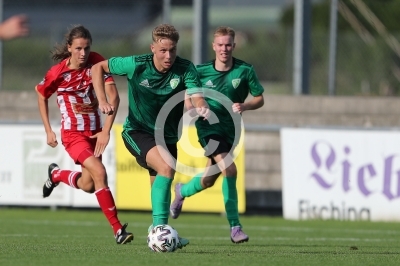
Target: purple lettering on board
point(387, 179)
point(367, 169)
point(318, 163)
point(346, 171)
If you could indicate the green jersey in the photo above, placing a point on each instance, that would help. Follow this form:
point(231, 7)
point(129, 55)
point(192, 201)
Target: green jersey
point(235, 84)
point(149, 90)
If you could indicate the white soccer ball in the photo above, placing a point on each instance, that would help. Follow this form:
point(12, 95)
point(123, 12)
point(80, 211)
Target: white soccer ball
point(163, 238)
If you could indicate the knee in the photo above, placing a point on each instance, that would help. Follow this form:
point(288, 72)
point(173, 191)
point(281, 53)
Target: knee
point(165, 170)
point(208, 183)
point(99, 173)
point(231, 170)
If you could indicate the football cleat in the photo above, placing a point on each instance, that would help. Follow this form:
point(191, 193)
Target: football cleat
point(238, 236)
point(49, 185)
point(150, 228)
point(123, 237)
point(176, 206)
point(183, 242)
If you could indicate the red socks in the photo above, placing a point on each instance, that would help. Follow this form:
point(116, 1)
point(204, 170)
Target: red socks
point(104, 196)
point(107, 205)
point(66, 176)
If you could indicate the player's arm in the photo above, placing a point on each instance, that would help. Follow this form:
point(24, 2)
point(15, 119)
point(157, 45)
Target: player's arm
point(14, 27)
point(114, 100)
point(253, 104)
point(103, 137)
point(194, 90)
point(200, 104)
point(98, 71)
point(43, 105)
point(189, 106)
point(255, 88)
point(188, 102)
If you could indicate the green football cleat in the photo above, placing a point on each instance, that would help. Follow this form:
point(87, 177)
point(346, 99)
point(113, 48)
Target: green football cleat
point(183, 242)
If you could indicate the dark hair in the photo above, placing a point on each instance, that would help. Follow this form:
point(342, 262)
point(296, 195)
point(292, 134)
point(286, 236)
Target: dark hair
point(60, 52)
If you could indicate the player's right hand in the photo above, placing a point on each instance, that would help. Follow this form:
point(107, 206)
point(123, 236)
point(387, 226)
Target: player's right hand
point(52, 139)
point(106, 108)
point(103, 138)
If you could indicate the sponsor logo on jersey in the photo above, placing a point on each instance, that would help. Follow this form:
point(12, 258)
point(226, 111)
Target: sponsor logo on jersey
point(209, 84)
point(145, 83)
point(42, 82)
point(67, 77)
point(235, 83)
point(174, 83)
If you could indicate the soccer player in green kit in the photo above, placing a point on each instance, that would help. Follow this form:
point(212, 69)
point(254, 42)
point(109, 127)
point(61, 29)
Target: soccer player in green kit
point(235, 79)
point(153, 79)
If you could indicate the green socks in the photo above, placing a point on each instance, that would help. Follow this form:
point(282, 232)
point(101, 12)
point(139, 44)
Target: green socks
point(161, 199)
point(229, 192)
point(191, 188)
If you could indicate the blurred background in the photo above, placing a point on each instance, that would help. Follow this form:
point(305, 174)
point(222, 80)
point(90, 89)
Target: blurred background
point(366, 64)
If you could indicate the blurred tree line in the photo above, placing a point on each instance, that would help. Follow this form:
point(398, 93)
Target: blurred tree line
point(363, 67)
point(367, 66)
point(388, 12)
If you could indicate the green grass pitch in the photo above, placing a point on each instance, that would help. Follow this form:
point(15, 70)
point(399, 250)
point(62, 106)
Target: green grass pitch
point(83, 237)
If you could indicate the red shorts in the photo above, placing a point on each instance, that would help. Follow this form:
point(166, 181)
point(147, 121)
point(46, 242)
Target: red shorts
point(78, 144)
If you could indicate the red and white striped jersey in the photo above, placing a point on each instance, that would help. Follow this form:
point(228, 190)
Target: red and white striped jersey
point(76, 97)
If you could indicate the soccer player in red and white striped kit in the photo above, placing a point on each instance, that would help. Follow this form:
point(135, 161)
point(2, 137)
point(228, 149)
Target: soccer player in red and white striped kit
point(82, 134)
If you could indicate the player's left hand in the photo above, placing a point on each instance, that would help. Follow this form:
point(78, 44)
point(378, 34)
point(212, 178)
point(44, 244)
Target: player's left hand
point(106, 108)
point(203, 112)
point(237, 108)
point(102, 140)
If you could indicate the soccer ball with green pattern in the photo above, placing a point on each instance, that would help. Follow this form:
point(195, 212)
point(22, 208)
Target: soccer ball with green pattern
point(163, 238)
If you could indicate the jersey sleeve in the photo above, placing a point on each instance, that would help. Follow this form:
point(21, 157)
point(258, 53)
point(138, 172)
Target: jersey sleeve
point(192, 80)
point(96, 58)
point(122, 66)
point(255, 87)
point(48, 84)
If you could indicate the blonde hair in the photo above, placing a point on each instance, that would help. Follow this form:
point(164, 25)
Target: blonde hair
point(165, 31)
point(223, 31)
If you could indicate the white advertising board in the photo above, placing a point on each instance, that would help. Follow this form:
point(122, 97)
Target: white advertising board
point(24, 159)
point(340, 174)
